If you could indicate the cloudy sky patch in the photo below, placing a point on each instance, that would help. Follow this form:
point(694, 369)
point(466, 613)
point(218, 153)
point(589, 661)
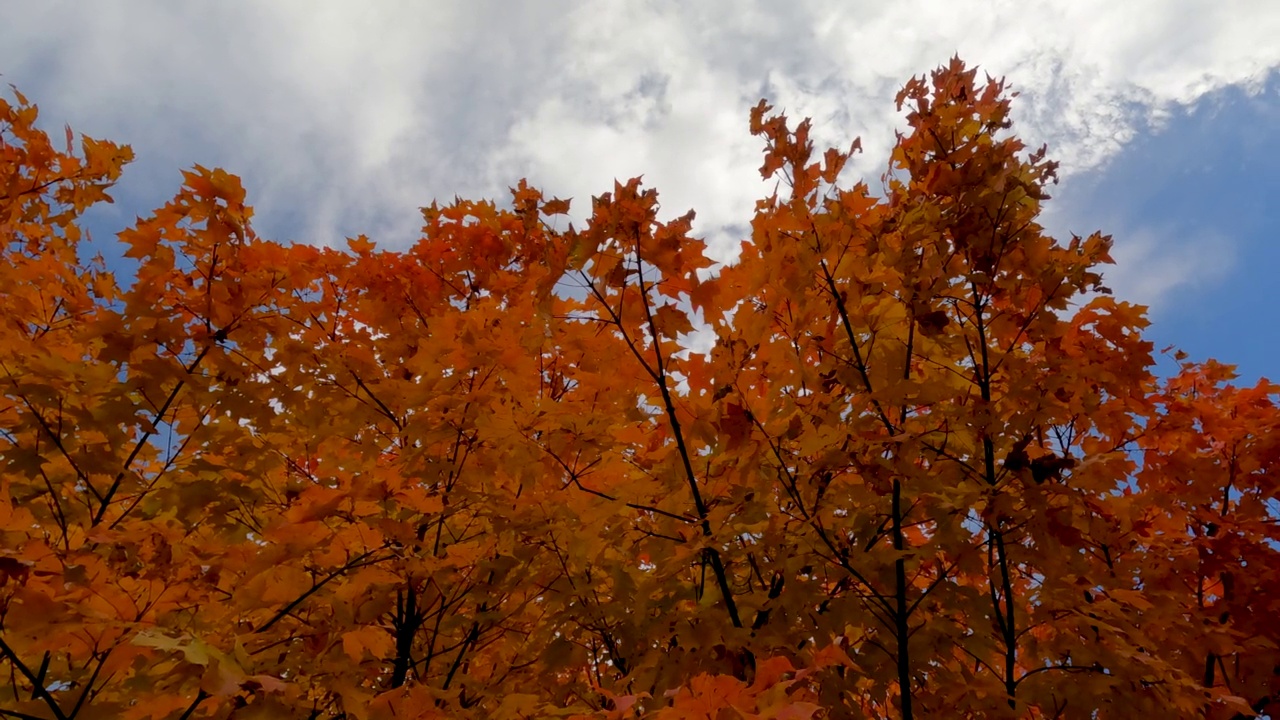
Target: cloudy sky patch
point(345, 118)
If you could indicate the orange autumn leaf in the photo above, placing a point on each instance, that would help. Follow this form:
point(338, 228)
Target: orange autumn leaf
point(367, 641)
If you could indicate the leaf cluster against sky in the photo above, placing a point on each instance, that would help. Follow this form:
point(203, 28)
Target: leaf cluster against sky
point(925, 469)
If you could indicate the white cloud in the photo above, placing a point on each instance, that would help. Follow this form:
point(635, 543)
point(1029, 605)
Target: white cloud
point(344, 118)
point(1156, 265)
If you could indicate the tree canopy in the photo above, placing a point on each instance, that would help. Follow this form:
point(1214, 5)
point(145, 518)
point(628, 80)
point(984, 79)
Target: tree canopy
point(925, 470)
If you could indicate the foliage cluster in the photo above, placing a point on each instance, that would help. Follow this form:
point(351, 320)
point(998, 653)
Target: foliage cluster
point(924, 471)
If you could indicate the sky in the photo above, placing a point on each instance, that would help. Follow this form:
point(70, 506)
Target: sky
point(344, 118)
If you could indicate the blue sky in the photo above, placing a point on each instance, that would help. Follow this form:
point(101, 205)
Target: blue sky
point(1193, 207)
point(344, 118)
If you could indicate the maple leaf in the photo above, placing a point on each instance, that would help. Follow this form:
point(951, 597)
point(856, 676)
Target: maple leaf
point(556, 206)
point(361, 245)
point(367, 641)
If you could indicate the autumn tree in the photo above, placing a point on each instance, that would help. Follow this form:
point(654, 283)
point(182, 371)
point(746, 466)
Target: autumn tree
point(925, 470)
